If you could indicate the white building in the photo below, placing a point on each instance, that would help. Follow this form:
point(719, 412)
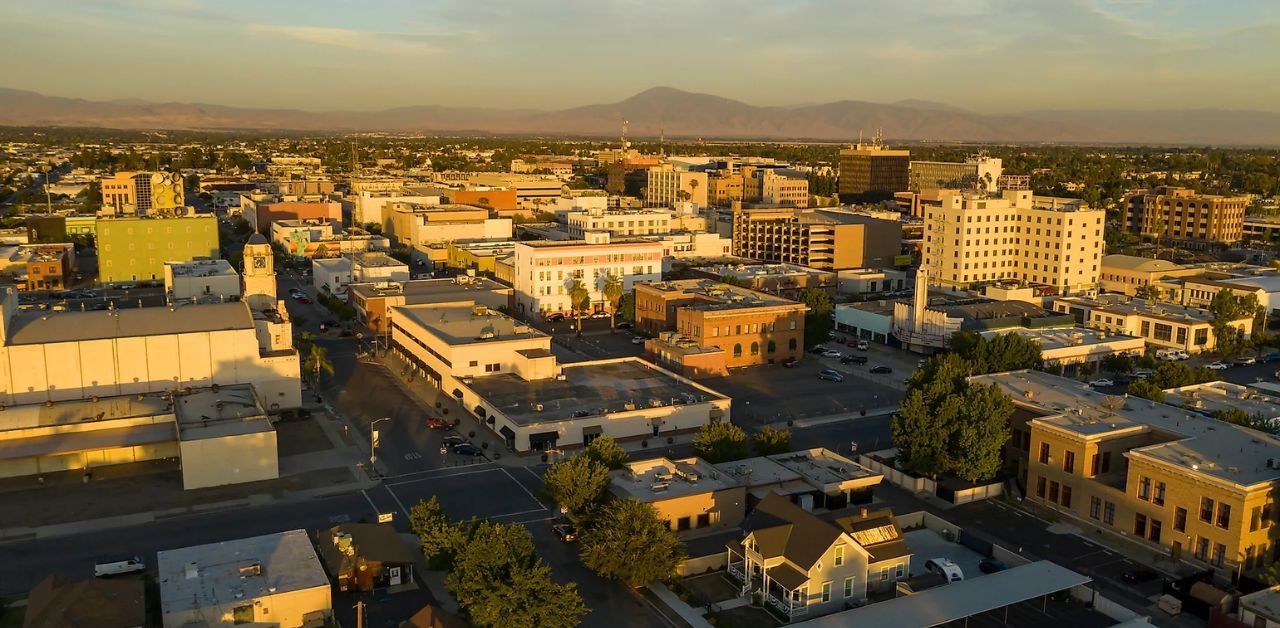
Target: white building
point(370, 206)
point(533, 191)
point(335, 274)
point(683, 246)
point(503, 372)
point(317, 238)
point(201, 280)
point(418, 226)
point(971, 239)
point(545, 270)
point(619, 223)
point(668, 186)
point(269, 580)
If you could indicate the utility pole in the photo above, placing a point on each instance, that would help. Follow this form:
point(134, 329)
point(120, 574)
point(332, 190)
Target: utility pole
point(360, 614)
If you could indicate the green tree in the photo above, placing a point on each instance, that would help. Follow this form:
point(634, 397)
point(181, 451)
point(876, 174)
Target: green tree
point(1176, 375)
point(1240, 417)
point(1117, 364)
point(241, 227)
point(1148, 292)
point(372, 228)
point(577, 484)
point(1227, 308)
point(817, 321)
point(628, 307)
point(317, 361)
point(720, 441)
point(978, 441)
point(499, 581)
point(579, 300)
point(628, 542)
point(769, 441)
point(605, 450)
point(613, 291)
point(1005, 352)
point(1146, 389)
point(441, 538)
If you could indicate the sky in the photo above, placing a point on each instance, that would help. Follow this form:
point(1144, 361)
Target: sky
point(990, 56)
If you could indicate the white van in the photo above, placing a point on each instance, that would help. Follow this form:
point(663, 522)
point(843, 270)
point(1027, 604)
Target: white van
point(117, 566)
point(944, 567)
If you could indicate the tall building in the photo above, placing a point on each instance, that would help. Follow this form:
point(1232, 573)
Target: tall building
point(629, 176)
point(666, 186)
point(784, 188)
point(975, 172)
point(828, 240)
point(971, 239)
point(545, 270)
point(1184, 217)
point(136, 248)
point(724, 188)
point(141, 193)
point(873, 172)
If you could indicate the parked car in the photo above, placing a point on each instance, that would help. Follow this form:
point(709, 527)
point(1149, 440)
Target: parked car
point(857, 359)
point(440, 423)
point(881, 370)
point(818, 350)
point(637, 340)
point(1219, 366)
point(1181, 355)
point(555, 318)
point(789, 362)
point(945, 568)
point(1101, 381)
point(1274, 356)
point(566, 532)
point(1139, 574)
point(126, 286)
point(863, 345)
point(326, 324)
point(624, 325)
point(454, 440)
point(1245, 360)
point(467, 449)
point(831, 353)
point(600, 315)
point(848, 359)
point(991, 565)
point(118, 565)
point(303, 299)
point(831, 375)
point(296, 292)
point(1143, 373)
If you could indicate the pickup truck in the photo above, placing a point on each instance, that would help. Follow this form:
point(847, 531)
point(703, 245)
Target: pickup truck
point(118, 565)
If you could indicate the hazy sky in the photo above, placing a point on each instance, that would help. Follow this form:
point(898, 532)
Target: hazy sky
point(986, 55)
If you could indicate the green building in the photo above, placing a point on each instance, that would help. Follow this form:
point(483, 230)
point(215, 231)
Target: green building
point(135, 249)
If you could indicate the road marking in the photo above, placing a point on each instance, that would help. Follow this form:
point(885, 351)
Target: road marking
point(513, 514)
point(443, 477)
point(522, 487)
point(370, 500)
point(439, 470)
point(535, 475)
point(398, 502)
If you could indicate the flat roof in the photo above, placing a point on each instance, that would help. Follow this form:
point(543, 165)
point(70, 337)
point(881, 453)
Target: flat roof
point(758, 471)
point(822, 467)
point(1211, 396)
point(1269, 283)
point(1265, 602)
point(468, 323)
point(36, 327)
point(83, 411)
point(428, 288)
point(1197, 444)
point(204, 576)
point(713, 295)
point(202, 268)
point(549, 244)
point(227, 411)
point(656, 479)
point(1126, 306)
point(87, 440)
point(589, 390)
point(958, 600)
point(752, 271)
point(1057, 338)
point(1140, 264)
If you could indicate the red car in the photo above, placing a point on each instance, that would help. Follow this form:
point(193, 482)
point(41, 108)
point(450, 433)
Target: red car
point(303, 299)
point(438, 423)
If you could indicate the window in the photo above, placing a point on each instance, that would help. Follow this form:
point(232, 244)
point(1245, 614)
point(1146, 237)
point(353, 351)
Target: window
point(1044, 453)
point(1109, 513)
point(772, 347)
point(1164, 332)
point(884, 574)
point(1180, 519)
point(900, 571)
point(1053, 491)
point(1066, 496)
point(1155, 530)
point(1139, 525)
point(1094, 461)
point(848, 586)
point(1069, 461)
point(704, 520)
point(1095, 507)
point(826, 592)
point(1224, 516)
point(1202, 336)
point(755, 348)
point(1040, 487)
point(839, 555)
point(1202, 548)
point(1144, 488)
point(1158, 497)
point(682, 523)
point(737, 350)
point(791, 344)
point(1219, 554)
point(1106, 462)
point(1206, 509)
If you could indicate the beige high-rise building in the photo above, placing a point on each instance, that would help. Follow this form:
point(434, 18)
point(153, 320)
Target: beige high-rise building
point(1182, 216)
point(975, 172)
point(971, 239)
point(668, 186)
point(141, 193)
point(784, 189)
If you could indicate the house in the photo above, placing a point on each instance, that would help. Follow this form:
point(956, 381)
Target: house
point(58, 602)
point(432, 616)
point(877, 532)
point(366, 556)
point(803, 565)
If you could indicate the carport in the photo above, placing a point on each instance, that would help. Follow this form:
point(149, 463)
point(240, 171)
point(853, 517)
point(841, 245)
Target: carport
point(958, 601)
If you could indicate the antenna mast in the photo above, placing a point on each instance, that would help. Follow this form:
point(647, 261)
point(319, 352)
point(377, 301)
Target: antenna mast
point(625, 143)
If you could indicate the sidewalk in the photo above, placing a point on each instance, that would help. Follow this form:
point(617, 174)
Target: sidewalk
point(690, 615)
point(833, 418)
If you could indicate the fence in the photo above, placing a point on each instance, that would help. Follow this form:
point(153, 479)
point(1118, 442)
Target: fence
point(912, 483)
point(1101, 604)
point(701, 564)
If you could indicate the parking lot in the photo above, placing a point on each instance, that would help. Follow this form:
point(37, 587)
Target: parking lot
point(484, 491)
point(772, 393)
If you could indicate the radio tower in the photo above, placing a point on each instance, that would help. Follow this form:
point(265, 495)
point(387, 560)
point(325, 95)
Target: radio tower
point(625, 143)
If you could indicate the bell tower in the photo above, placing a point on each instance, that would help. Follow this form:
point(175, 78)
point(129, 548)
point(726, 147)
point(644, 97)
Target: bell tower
point(259, 273)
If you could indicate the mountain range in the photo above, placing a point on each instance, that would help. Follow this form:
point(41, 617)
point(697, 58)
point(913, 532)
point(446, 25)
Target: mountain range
point(677, 114)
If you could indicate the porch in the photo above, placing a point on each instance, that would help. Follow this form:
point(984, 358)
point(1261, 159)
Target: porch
point(781, 586)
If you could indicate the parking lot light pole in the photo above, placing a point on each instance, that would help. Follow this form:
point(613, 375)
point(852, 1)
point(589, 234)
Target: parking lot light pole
point(373, 440)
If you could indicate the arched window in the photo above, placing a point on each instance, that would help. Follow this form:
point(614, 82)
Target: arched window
point(771, 347)
point(755, 348)
point(791, 344)
point(737, 350)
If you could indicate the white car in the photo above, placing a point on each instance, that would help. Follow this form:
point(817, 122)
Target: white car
point(1182, 355)
point(944, 567)
point(863, 345)
point(1102, 381)
point(115, 566)
point(1219, 366)
point(637, 340)
point(831, 353)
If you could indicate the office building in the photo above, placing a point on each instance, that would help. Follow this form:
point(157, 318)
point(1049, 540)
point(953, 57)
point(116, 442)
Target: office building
point(274, 579)
point(619, 223)
point(480, 256)
point(373, 301)
point(1163, 325)
point(704, 327)
point(686, 245)
point(782, 188)
point(629, 176)
point(1169, 479)
point(871, 172)
point(134, 249)
point(370, 207)
point(975, 173)
point(823, 239)
point(784, 280)
point(970, 239)
point(318, 238)
point(545, 270)
point(333, 275)
point(502, 371)
point(725, 188)
point(667, 186)
point(419, 226)
point(142, 194)
point(38, 266)
point(1183, 217)
point(1126, 274)
point(205, 281)
point(533, 191)
point(265, 211)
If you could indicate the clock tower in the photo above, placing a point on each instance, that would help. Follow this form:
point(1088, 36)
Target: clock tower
point(259, 273)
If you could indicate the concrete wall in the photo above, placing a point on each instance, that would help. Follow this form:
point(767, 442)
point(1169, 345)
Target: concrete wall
point(281, 610)
point(725, 508)
point(702, 564)
point(229, 460)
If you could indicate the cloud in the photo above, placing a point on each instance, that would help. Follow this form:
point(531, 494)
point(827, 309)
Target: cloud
point(402, 44)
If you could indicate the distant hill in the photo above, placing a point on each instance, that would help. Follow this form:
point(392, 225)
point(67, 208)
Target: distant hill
point(678, 114)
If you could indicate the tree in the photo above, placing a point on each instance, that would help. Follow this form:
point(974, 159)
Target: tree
point(1145, 389)
point(978, 441)
point(317, 361)
point(1005, 352)
point(241, 227)
point(1117, 364)
point(1148, 292)
point(817, 321)
point(579, 300)
point(499, 581)
point(628, 542)
point(1240, 417)
point(605, 450)
point(613, 291)
point(628, 307)
point(769, 441)
point(1227, 308)
point(720, 441)
point(372, 228)
point(577, 484)
point(441, 539)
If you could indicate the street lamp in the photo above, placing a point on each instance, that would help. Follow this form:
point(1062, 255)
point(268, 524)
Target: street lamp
point(373, 440)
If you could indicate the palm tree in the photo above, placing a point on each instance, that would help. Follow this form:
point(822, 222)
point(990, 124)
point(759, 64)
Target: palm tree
point(613, 290)
point(579, 300)
point(317, 360)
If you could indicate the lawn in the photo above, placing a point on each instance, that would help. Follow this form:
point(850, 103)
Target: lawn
point(710, 588)
point(744, 617)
